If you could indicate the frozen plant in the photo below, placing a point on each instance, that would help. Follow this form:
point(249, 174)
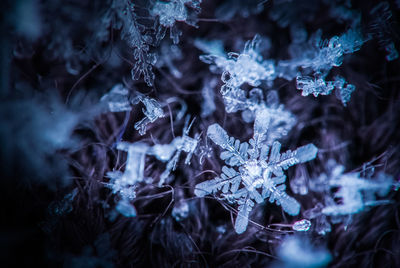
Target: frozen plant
point(170, 12)
point(125, 183)
point(255, 173)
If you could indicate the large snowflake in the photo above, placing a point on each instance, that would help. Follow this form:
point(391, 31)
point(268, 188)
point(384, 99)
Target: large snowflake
point(255, 171)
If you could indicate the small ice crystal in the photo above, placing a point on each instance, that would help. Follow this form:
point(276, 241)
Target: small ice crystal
point(302, 225)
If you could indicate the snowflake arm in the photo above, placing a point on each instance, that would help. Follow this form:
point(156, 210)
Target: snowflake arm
point(229, 180)
point(234, 153)
point(140, 42)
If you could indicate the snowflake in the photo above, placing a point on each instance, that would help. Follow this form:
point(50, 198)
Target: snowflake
point(239, 68)
point(344, 92)
point(254, 174)
point(352, 194)
point(356, 193)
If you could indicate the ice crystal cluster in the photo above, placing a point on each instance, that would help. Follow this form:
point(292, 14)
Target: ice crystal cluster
point(200, 133)
point(253, 170)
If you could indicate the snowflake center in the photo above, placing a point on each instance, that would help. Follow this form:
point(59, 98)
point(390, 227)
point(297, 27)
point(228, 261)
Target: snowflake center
point(251, 174)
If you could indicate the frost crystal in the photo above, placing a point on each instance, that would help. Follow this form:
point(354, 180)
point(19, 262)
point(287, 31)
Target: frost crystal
point(136, 36)
point(311, 63)
point(255, 173)
point(171, 152)
point(125, 183)
point(246, 67)
point(152, 112)
point(351, 189)
point(315, 86)
point(64, 206)
point(171, 12)
point(126, 208)
point(211, 47)
point(281, 120)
